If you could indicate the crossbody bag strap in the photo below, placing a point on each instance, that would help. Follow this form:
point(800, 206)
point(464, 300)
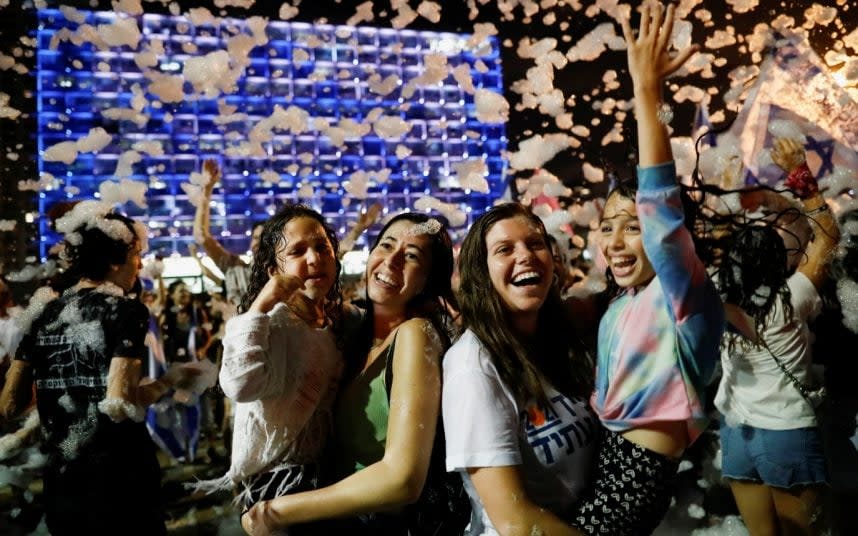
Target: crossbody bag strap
point(803, 389)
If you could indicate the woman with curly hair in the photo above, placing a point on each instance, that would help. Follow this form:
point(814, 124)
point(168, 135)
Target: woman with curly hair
point(281, 362)
point(387, 410)
point(770, 437)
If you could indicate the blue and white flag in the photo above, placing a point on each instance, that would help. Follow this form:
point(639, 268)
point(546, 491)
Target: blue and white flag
point(795, 87)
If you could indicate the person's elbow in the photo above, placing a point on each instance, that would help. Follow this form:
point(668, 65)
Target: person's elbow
point(406, 483)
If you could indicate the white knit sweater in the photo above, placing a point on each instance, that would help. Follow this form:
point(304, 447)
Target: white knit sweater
point(283, 376)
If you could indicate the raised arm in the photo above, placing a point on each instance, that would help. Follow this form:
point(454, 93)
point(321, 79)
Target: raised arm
point(364, 221)
point(192, 249)
point(790, 156)
point(248, 370)
point(398, 478)
point(649, 64)
point(202, 225)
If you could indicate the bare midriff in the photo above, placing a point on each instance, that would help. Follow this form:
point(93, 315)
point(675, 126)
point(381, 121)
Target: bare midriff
point(669, 438)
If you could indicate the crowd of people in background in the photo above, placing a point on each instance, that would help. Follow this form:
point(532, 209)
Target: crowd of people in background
point(478, 388)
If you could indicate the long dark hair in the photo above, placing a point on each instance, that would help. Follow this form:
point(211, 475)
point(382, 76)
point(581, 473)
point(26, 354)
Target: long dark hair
point(554, 353)
point(265, 259)
point(430, 302)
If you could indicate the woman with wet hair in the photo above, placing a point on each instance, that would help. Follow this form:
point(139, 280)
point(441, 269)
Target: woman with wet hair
point(282, 362)
point(772, 446)
point(84, 351)
point(386, 413)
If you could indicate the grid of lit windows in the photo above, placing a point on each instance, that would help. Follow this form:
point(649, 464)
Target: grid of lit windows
point(325, 70)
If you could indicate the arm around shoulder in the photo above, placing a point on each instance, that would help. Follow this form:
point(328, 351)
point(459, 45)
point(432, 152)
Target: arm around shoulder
point(397, 479)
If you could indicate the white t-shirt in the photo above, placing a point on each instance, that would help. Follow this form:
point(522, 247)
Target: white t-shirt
point(485, 427)
point(753, 390)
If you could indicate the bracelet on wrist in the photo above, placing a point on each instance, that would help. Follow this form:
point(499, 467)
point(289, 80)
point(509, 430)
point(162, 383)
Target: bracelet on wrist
point(821, 208)
point(801, 181)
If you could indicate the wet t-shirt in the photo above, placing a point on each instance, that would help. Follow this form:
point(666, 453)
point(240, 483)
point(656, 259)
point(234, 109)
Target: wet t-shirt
point(69, 347)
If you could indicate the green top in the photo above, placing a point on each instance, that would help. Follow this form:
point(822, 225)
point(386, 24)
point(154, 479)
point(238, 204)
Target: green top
point(361, 419)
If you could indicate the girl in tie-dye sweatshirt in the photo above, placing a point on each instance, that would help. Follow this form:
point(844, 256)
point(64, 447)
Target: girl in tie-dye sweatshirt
point(658, 340)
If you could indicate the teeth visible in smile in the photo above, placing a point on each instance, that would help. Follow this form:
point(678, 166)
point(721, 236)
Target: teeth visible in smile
point(386, 280)
point(623, 262)
point(525, 276)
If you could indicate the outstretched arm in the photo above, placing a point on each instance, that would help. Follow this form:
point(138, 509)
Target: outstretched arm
point(202, 225)
point(790, 156)
point(192, 249)
point(365, 220)
point(649, 64)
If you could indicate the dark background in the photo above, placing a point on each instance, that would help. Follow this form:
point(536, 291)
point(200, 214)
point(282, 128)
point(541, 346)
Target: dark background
point(580, 78)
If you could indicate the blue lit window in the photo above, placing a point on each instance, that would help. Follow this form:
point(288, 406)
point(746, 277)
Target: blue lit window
point(334, 84)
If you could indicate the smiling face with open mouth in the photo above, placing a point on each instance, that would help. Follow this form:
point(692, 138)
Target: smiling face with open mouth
point(398, 267)
point(520, 267)
point(621, 243)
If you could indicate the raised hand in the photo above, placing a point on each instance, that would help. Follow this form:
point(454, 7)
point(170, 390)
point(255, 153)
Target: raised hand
point(213, 170)
point(366, 219)
point(280, 288)
point(788, 154)
point(649, 60)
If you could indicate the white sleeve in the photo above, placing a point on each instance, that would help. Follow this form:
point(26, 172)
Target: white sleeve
point(480, 422)
point(245, 373)
point(805, 299)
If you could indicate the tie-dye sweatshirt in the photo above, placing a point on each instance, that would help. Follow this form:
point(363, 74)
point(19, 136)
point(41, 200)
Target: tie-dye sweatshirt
point(658, 344)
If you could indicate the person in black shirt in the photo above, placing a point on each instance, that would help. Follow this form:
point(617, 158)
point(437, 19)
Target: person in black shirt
point(84, 353)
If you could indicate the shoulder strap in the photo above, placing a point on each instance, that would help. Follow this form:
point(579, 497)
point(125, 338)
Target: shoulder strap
point(388, 367)
point(803, 389)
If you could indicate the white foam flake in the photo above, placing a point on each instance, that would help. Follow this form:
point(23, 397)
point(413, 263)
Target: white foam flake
point(131, 7)
point(430, 11)
point(357, 184)
point(491, 107)
point(592, 173)
point(125, 163)
point(72, 14)
point(391, 127)
point(242, 4)
point(721, 38)
point(743, 6)
point(7, 225)
point(200, 16)
point(452, 212)
point(168, 88)
point(689, 93)
point(64, 151)
point(122, 32)
point(818, 14)
point(123, 191)
point(383, 87)
point(206, 73)
point(594, 43)
point(535, 151)
point(471, 174)
point(462, 75)
point(363, 13)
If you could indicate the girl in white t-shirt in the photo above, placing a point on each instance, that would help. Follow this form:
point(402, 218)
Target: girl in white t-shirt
point(517, 423)
point(771, 442)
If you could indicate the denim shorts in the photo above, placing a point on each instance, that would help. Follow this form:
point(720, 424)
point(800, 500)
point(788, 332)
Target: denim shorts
point(778, 458)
